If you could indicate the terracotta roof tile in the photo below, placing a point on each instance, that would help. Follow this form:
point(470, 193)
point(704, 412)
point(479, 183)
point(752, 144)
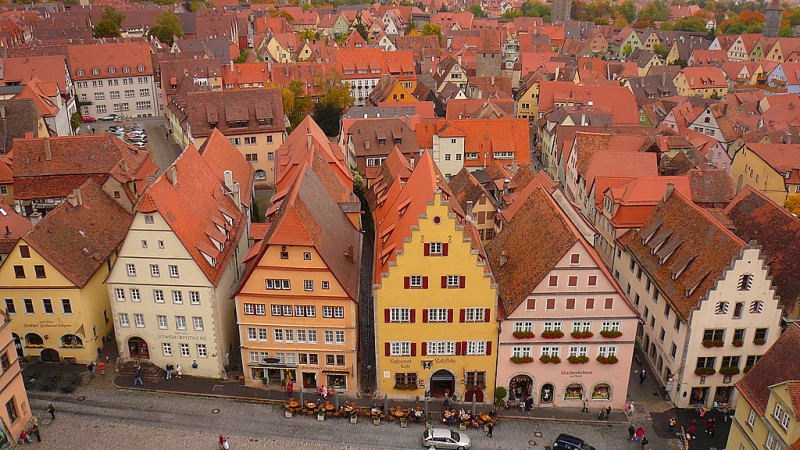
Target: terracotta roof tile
point(710, 186)
point(84, 59)
point(779, 364)
point(221, 155)
point(78, 239)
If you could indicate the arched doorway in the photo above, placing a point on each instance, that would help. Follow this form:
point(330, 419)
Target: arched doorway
point(477, 394)
point(260, 175)
point(17, 344)
point(138, 348)
point(442, 382)
point(520, 388)
point(546, 397)
point(50, 355)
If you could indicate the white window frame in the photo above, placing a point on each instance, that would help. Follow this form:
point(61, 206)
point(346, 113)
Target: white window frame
point(180, 323)
point(124, 320)
point(166, 348)
point(438, 315)
point(474, 314)
point(441, 348)
point(138, 320)
point(521, 352)
point(400, 348)
point(185, 350)
point(162, 322)
point(400, 315)
point(523, 327)
point(476, 347)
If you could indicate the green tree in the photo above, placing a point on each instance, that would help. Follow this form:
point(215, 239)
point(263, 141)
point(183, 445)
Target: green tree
point(362, 30)
point(411, 27)
point(334, 102)
point(627, 50)
point(113, 14)
point(75, 120)
point(167, 27)
point(695, 22)
point(284, 14)
point(106, 29)
point(311, 35)
point(242, 56)
point(536, 9)
point(431, 29)
point(511, 14)
point(627, 9)
point(657, 11)
point(661, 50)
point(477, 11)
point(296, 103)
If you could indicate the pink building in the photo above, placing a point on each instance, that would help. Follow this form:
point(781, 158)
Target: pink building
point(16, 415)
point(567, 330)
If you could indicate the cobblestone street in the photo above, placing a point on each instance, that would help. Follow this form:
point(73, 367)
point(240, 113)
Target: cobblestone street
point(93, 417)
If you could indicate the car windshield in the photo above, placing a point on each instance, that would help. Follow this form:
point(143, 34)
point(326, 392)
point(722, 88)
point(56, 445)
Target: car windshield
point(455, 436)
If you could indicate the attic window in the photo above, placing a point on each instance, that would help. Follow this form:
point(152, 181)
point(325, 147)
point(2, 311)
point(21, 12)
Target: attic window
point(112, 70)
point(745, 282)
point(126, 69)
point(80, 73)
point(140, 68)
point(95, 71)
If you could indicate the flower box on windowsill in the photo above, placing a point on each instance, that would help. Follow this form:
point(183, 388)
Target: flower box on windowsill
point(581, 334)
point(521, 359)
point(552, 334)
point(738, 342)
point(550, 359)
point(708, 343)
point(611, 334)
point(405, 387)
point(704, 371)
point(524, 335)
point(578, 359)
point(747, 368)
point(607, 359)
point(729, 370)
point(759, 341)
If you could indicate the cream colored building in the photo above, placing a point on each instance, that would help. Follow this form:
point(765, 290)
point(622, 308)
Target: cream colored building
point(178, 266)
point(707, 302)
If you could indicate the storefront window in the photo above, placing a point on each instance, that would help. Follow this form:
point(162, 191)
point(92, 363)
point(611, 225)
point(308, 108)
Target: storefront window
point(256, 373)
point(574, 392)
point(601, 391)
point(338, 381)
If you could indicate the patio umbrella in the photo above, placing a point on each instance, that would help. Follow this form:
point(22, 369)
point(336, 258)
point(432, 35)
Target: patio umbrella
point(385, 401)
point(474, 405)
point(426, 408)
point(336, 400)
point(301, 395)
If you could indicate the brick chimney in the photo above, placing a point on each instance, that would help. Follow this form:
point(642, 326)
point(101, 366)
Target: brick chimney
point(48, 155)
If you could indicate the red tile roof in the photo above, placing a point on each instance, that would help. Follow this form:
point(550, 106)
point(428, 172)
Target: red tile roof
point(779, 364)
point(196, 183)
point(619, 101)
point(684, 250)
point(78, 239)
point(52, 69)
point(221, 155)
point(118, 57)
point(12, 226)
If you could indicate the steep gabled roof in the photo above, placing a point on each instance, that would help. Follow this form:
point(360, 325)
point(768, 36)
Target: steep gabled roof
point(779, 364)
point(77, 240)
point(757, 218)
point(467, 189)
point(684, 249)
point(221, 155)
point(213, 215)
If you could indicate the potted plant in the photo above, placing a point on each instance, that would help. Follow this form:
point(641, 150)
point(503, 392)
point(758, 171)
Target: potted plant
point(524, 335)
point(738, 342)
point(708, 343)
point(320, 416)
point(581, 334)
point(607, 359)
point(550, 359)
point(552, 334)
point(728, 370)
point(610, 334)
point(521, 359)
point(404, 422)
point(578, 359)
point(376, 421)
point(462, 426)
point(354, 416)
point(759, 341)
point(704, 371)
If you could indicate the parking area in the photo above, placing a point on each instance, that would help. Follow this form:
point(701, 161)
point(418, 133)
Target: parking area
point(162, 150)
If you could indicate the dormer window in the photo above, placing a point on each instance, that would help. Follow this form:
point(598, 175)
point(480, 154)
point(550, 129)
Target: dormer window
point(140, 68)
point(112, 70)
point(80, 73)
point(126, 69)
point(95, 71)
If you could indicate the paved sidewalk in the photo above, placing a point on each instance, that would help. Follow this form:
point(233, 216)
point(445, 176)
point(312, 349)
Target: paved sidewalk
point(217, 388)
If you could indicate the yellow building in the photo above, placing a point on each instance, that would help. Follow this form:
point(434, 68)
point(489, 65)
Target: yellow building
point(16, 416)
point(771, 169)
point(52, 281)
point(297, 305)
point(435, 310)
point(769, 416)
point(701, 81)
point(528, 100)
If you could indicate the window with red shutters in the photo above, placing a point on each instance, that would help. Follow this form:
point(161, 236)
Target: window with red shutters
point(427, 249)
point(449, 316)
point(553, 280)
point(462, 281)
point(413, 316)
point(488, 347)
point(424, 282)
point(572, 281)
point(387, 315)
point(486, 314)
point(570, 303)
point(387, 349)
point(406, 282)
point(531, 304)
point(445, 248)
point(424, 318)
point(609, 303)
point(462, 315)
point(592, 280)
point(458, 347)
point(413, 349)
point(424, 349)
point(551, 303)
point(444, 281)
point(575, 258)
point(589, 303)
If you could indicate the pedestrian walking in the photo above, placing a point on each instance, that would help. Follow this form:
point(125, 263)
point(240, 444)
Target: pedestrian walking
point(642, 376)
point(90, 368)
point(608, 412)
point(490, 427)
point(290, 387)
point(24, 438)
point(170, 368)
point(632, 407)
point(631, 432)
point(692, 429)
point(137, 377)
point(52, 411)
point(93, 131)
point(178, 370)
point(672, 423)
point(35, 432)
point(644, 441)
point(639, 434)
point(101, 366)
point(585, 407)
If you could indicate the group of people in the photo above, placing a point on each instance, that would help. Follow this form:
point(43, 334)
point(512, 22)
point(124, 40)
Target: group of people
point(93, 367)
point(177, 370)
point(691, 432)
point(25, 436)
point(637, 435)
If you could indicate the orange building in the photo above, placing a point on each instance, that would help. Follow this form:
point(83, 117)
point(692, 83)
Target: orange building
point(297, 304)
point(17, 412)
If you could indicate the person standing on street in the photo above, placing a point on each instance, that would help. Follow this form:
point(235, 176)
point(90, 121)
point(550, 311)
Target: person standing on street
point(585, 407)
point(642, 376)
point(137, 377)
point(101, 366)
point(170, 368)
point(491, 429)
point(631, 432)
point(52, 411)
point(639, 434)
point(644, 441)
point(178, 370)
point(90, 368)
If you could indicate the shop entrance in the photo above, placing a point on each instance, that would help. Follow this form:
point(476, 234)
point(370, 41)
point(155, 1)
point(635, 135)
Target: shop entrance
point(442, 381)
point(50, 355)
point(520, 388)
point(309, 380)
point(138, 348)
point(723, 395)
